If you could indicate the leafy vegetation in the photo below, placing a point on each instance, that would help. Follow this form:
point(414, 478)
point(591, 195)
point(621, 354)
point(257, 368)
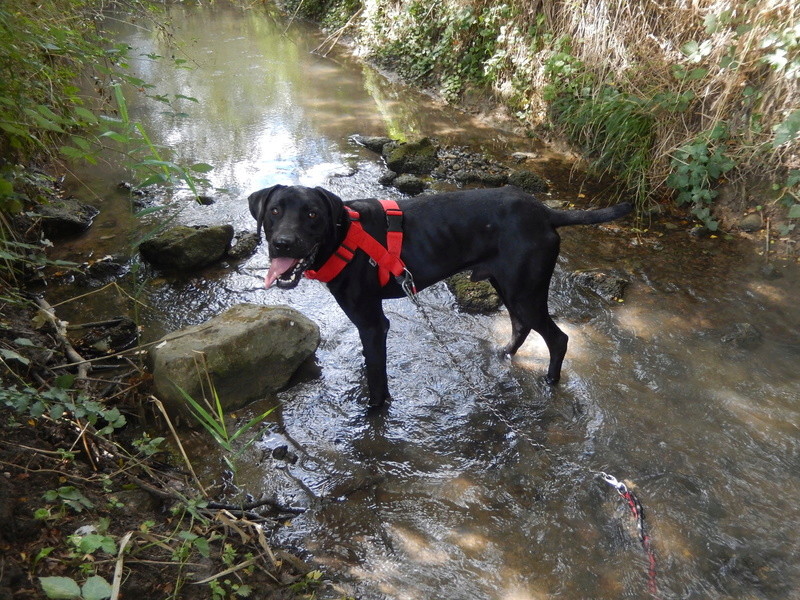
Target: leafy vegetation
point(643, 89)
point(71, 465)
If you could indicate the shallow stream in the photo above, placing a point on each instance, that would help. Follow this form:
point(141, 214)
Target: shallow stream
point(479, 481)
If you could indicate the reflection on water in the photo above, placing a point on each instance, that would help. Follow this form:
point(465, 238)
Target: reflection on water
point(479, 481)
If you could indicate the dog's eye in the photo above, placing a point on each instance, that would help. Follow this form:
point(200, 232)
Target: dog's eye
point(274, 210)
point(312, 214)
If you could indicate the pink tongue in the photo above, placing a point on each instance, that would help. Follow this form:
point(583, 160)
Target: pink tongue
point(277, 267)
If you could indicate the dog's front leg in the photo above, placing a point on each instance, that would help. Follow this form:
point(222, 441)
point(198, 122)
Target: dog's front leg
point(372, 327)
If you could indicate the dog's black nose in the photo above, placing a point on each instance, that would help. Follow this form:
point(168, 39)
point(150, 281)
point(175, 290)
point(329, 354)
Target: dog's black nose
point(283, 244)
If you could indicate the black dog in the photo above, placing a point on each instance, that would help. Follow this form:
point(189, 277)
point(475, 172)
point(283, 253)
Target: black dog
point(502, 234)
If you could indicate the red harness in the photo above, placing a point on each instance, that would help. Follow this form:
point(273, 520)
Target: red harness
point(387, 259)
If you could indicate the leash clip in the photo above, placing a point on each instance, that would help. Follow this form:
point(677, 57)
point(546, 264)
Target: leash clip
point(613, 482)
point(406, 281)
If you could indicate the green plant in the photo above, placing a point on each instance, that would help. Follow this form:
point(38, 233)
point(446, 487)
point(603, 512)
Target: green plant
point(790, 198)
point(58, 403)
point(67, 496)
point(696, 167)
point(66, 588)
point(213, 419)
point(308, 584)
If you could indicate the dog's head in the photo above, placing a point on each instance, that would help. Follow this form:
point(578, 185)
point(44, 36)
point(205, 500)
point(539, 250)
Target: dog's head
point(300, 225)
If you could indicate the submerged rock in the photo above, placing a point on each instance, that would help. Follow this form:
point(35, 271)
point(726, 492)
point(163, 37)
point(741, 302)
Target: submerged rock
point(473, 296)
point(742, 335)
point(609, 285)
point(61, 218)
point(249, 352)
point(102, 271)
point(245, 246)
point(187, 248)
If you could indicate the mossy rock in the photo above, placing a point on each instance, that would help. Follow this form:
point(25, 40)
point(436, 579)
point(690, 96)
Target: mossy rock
point(418, 158)
point(185, 248)
point(528, 181)
point(473, 296)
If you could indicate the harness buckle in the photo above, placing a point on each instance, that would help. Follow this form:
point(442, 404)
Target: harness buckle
point(394, 220)
point(406, 282)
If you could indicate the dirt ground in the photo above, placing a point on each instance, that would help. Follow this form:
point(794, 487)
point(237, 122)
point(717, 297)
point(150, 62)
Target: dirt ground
point(94, 513)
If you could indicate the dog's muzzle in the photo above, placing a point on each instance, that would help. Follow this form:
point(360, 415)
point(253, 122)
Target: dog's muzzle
point(285, 272)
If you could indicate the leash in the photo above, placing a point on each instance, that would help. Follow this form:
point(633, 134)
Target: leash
point(637, 512)
point(625, 493)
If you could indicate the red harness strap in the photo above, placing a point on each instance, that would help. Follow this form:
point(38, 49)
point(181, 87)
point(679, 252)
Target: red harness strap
point(387, 260)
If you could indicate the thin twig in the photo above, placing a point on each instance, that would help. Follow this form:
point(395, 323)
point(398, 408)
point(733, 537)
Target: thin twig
point(178, 441)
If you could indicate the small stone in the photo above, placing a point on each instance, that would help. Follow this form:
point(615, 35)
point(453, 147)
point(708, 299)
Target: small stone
point(742, 335)
point(409, 184)
point(387, 178)
point(770, 271)
point(751, 223)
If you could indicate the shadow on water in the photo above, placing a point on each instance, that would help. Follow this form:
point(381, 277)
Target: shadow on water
point(479, 481)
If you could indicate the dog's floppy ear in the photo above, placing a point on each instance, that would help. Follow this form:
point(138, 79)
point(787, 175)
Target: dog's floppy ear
point(258, 205)
point(334, 203)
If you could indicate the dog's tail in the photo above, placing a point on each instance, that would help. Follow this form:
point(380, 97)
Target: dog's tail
point(560, 218)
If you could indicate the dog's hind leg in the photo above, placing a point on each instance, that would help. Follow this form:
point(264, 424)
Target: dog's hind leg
point(532, 314)
point(528, 310)
point(519, 331)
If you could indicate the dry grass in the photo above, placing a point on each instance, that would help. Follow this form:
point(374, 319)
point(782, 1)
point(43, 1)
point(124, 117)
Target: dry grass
point(739, 61)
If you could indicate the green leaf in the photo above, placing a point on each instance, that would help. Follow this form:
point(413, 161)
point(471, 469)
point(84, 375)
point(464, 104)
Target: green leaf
point(690, 48)
point(60, 588)
point(85, 114)
point(201, 168)
point(11, 355)
point(6, 187)
point(13, 129)
point(47, 113)
point(202, 546)
point(71, 152)
point(65, 381)
point(794, 212)
point(42, 121)
point(91, 543)
point(117, 137)
point(697, 73)
point(96, 588)
point(788, 130)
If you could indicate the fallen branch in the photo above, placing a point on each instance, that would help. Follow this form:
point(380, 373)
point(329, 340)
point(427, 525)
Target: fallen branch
point(49, 313)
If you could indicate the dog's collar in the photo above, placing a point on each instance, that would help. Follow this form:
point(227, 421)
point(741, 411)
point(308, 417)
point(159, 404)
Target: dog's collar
point(386, 258)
